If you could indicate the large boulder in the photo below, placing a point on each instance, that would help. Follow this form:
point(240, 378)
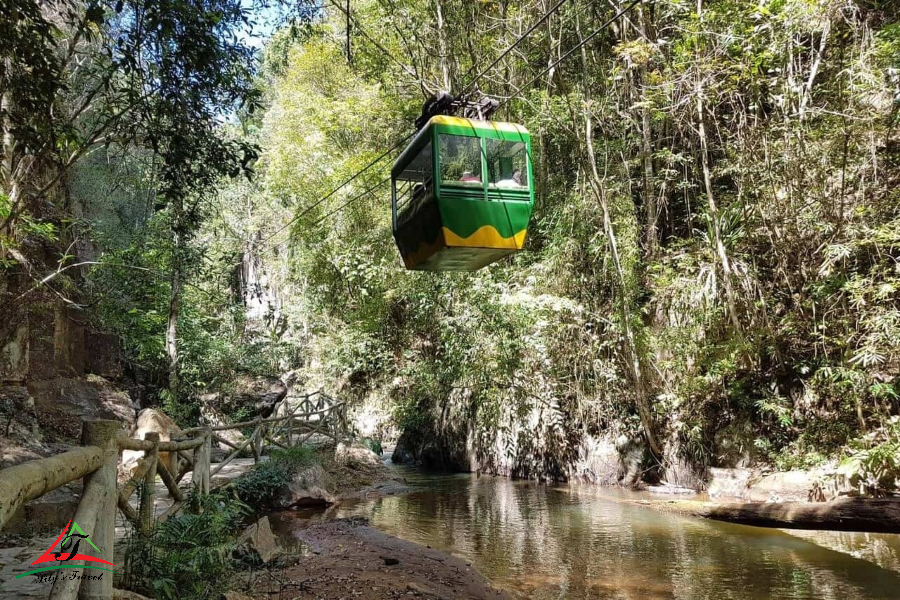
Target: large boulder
point(729, 483)
point(403, 454)
point(307, 488)
point(260, 539)
point(599, 462)
point(734, 445)
point(16, 406)
point(153, 420)
point(61, 404)
point(782, 486)
point(103, 355)
point(355, 454)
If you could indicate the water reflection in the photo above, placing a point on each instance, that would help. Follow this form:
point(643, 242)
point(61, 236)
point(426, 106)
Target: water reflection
point(544, 542)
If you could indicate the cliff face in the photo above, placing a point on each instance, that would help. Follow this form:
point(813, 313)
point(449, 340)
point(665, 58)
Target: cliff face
point(55, 371)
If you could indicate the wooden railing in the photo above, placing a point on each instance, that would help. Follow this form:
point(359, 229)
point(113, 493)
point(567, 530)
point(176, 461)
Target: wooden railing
point(97, 462)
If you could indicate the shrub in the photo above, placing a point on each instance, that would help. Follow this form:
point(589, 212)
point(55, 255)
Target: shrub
point(188, 555)
point(259, 486)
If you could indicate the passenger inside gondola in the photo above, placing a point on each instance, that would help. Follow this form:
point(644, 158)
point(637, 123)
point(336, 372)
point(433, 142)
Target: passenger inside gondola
point(460, 160)
point(512, 182)
point(507, 162)
point(418, 198)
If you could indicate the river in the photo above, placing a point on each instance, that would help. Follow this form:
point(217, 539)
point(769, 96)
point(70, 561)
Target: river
point(542, 542)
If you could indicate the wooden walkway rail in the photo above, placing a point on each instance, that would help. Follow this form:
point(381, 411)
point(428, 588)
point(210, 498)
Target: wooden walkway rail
point(96, 461)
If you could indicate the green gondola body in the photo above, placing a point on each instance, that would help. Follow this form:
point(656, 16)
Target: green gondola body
point(477, 209)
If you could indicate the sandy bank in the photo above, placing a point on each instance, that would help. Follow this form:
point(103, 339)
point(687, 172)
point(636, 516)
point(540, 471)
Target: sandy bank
point(348, 559)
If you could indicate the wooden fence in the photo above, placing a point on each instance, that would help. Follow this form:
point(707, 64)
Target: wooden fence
point(97, 460)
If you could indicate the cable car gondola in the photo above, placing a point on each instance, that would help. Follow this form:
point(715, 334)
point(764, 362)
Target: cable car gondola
point(462, 194)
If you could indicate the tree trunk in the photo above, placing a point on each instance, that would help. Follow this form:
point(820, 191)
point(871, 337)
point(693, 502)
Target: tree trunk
point(846, 514)
point(443, 45)
point(642, 397)
point(175, 299)
point(8, 184)
point(651, 209)
point(713, 210)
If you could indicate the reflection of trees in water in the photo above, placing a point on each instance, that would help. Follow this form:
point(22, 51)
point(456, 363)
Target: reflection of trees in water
point(549, 543)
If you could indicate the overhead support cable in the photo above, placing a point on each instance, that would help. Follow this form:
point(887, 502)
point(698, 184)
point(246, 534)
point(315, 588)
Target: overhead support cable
point(469, 89)
point(354, 22)
point(346, 182)
point(578, 46)
point(543, 72)
point(351, 201)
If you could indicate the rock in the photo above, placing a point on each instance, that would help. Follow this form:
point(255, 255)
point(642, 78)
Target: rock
point(729, 483)
point(599, 462)
point(631, 455)
point(390, 561)
point(786, 486)
point(290, 378)
point(402, 455)
point(355, 454)
point(734, 445)
point(62, 404)
point(670, 489)
point(307, 488)
point(14, 350)
point(260, 539)
point(679, 468)
point(153, 420)
point(16, 405)
point(418, 589)
point(103, 355)
point(261, 394)
point(48, 513)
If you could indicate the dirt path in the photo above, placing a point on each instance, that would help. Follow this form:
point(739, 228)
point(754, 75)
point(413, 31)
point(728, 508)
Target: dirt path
point(350, 560)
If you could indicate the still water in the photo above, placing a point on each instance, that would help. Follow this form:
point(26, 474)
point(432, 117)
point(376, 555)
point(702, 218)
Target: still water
point(547, 542)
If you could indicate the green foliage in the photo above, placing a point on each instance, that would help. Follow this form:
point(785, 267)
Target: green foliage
point(372, 444)
point(745, 274)
point(188, 555)
point(193, 555)
point(258, 487)
point(871, 463)
point(529, 355)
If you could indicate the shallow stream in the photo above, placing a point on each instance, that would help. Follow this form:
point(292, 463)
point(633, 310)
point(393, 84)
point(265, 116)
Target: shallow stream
point(543, 542)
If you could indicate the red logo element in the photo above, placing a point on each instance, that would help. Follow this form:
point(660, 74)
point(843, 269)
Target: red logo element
point(51, 556)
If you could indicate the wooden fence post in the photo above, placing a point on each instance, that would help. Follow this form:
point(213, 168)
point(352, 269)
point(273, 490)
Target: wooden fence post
point(102, 434)
point(207, 459)
point(149, 487)
point(255, 443)
point(290, 431)
point(197, 475)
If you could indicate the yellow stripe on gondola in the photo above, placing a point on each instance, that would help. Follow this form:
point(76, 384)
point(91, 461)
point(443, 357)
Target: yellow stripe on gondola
point(486, 236)
point(491, 125)
point(422, 253)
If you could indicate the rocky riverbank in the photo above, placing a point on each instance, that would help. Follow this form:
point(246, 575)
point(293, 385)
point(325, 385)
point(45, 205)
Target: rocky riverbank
point(346, 558)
